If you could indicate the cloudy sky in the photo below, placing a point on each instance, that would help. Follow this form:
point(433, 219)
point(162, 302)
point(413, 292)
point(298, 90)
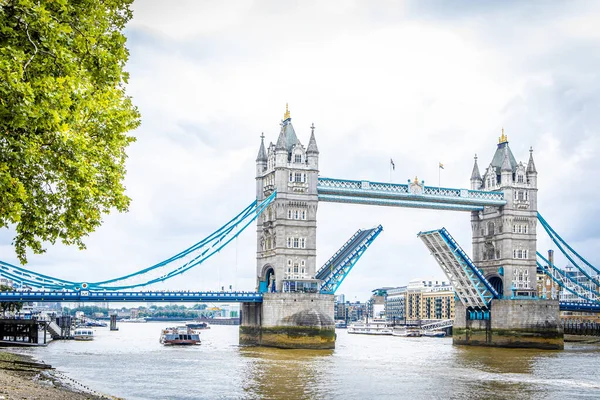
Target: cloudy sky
point(421, 82)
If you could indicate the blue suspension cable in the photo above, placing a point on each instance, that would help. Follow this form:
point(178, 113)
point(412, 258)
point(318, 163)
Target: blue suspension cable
point(554, 236)
point(565, 275)
point(199, 259)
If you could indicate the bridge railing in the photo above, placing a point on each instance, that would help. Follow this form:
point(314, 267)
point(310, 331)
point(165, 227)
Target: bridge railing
point(337, 186)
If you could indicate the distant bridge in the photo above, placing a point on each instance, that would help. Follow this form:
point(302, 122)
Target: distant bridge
point(132, 297)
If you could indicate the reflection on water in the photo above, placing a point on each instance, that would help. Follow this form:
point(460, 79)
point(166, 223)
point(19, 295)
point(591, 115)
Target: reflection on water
point(132, 364)
point(278, 373)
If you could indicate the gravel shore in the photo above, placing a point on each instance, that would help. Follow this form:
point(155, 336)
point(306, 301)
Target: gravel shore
point(23, 378)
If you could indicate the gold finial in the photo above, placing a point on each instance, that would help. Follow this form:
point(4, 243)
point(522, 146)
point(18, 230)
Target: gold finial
point(416, 180)
point(287, 112)
point(503, 138)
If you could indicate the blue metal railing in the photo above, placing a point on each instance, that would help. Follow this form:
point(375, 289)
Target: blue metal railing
point(334, 279)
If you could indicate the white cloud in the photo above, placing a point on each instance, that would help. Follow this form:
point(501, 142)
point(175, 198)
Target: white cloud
point(420, 85)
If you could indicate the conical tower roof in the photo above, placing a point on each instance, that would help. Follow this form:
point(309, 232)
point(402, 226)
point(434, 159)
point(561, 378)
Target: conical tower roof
point(475, 175)
point(312, 143)
point(262, 154)
point(503, 151)
point(288, 130)
point(531, 165)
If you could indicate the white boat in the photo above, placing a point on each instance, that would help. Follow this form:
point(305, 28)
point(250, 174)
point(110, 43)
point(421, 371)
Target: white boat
point(434, 333)
point(136, 320)
point(179, 336)
point(374, 327)
point(83, 333)
point(406, 332)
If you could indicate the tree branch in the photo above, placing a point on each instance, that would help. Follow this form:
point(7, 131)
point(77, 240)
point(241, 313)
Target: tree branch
point(31, 41)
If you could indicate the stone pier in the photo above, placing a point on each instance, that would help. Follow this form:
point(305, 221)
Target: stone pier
point(512, 323)
point(290, 321)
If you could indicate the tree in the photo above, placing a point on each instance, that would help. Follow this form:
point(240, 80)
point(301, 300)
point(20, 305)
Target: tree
point(10, 306)
point(64, 118)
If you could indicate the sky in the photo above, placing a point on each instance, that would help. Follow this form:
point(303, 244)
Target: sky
point(420, 82)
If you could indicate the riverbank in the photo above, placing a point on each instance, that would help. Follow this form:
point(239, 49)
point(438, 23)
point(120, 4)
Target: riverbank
point(23, 378)
point(582, 339)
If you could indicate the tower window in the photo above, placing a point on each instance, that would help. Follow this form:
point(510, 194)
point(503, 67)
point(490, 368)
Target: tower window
point(520, 178)
point(296, 243)
point(298, 158)
point(291, 177)
point(303, 243)
point(303, 214)
point(297, 177)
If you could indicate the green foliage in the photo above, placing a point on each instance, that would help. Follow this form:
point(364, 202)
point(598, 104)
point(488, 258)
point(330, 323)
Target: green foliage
point(9, 306)
point(64, 118)
point(87, 310)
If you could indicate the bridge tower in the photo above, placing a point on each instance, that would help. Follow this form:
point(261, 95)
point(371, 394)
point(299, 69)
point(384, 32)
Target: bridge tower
point(286, 252)
point(293, 314)
point(504, 248)
point(504, 238)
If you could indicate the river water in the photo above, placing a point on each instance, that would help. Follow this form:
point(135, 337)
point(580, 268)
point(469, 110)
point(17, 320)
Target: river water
point(131, 364)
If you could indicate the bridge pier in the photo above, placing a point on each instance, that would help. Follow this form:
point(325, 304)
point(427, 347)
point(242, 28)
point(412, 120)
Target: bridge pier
point(290, 321)
point(526, 323)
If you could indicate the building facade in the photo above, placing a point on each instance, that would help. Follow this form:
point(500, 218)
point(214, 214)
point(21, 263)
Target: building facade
point(504, 238)
point(286, 230)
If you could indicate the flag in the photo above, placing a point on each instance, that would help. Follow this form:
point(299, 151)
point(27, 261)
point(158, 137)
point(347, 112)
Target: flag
point(441, 166)
point(392, 164)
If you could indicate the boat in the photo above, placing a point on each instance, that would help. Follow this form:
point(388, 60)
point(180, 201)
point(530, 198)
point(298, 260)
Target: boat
point(375, 327)
point(137, 320)
point(434, 333)
point(340, 324)
point(197, 325)
point(94, 323)
point(83, 333)
point(179, 336)
point(406, 332)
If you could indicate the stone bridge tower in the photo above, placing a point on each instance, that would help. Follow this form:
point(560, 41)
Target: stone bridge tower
point(287, 229)
point(504, 238)
point(292, 313)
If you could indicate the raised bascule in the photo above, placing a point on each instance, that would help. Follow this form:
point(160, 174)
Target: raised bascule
point(292, 306)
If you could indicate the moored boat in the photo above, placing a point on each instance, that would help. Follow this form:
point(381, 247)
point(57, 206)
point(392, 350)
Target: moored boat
point(197, 325)
point(406, 332)
point(83, 334)
point(374, 327)
point(179, 336)
point(434, 333)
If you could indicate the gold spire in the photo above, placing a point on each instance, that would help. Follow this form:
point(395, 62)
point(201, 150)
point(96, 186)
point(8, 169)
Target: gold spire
point(503, 138)
point(416, 182)
point(287, 112)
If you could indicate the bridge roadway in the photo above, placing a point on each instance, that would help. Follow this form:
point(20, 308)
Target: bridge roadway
point(185, 296)
point(138, 297)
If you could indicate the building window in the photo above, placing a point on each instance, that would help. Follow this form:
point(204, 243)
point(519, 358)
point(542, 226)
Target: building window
point(524, 228)
point(298, 158)
point(291, 177)
point(297, 177)
point(303, 243)
point(296, 214)
point(289, 214)
point(296, 243)
point(289, 242)
point(520, 178)
point(303, 214)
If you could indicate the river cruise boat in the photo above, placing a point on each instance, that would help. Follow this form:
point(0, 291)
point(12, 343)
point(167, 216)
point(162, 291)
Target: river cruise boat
point(434, 333)
point(196, 325)
point(374, 327)
point(406, 332)
point(83, 333)
point(179, 336)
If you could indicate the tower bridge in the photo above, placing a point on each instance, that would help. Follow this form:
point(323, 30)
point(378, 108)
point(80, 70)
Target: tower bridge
point(292, 305)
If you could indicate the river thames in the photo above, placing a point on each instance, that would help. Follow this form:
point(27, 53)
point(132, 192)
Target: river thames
point(131, 364)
